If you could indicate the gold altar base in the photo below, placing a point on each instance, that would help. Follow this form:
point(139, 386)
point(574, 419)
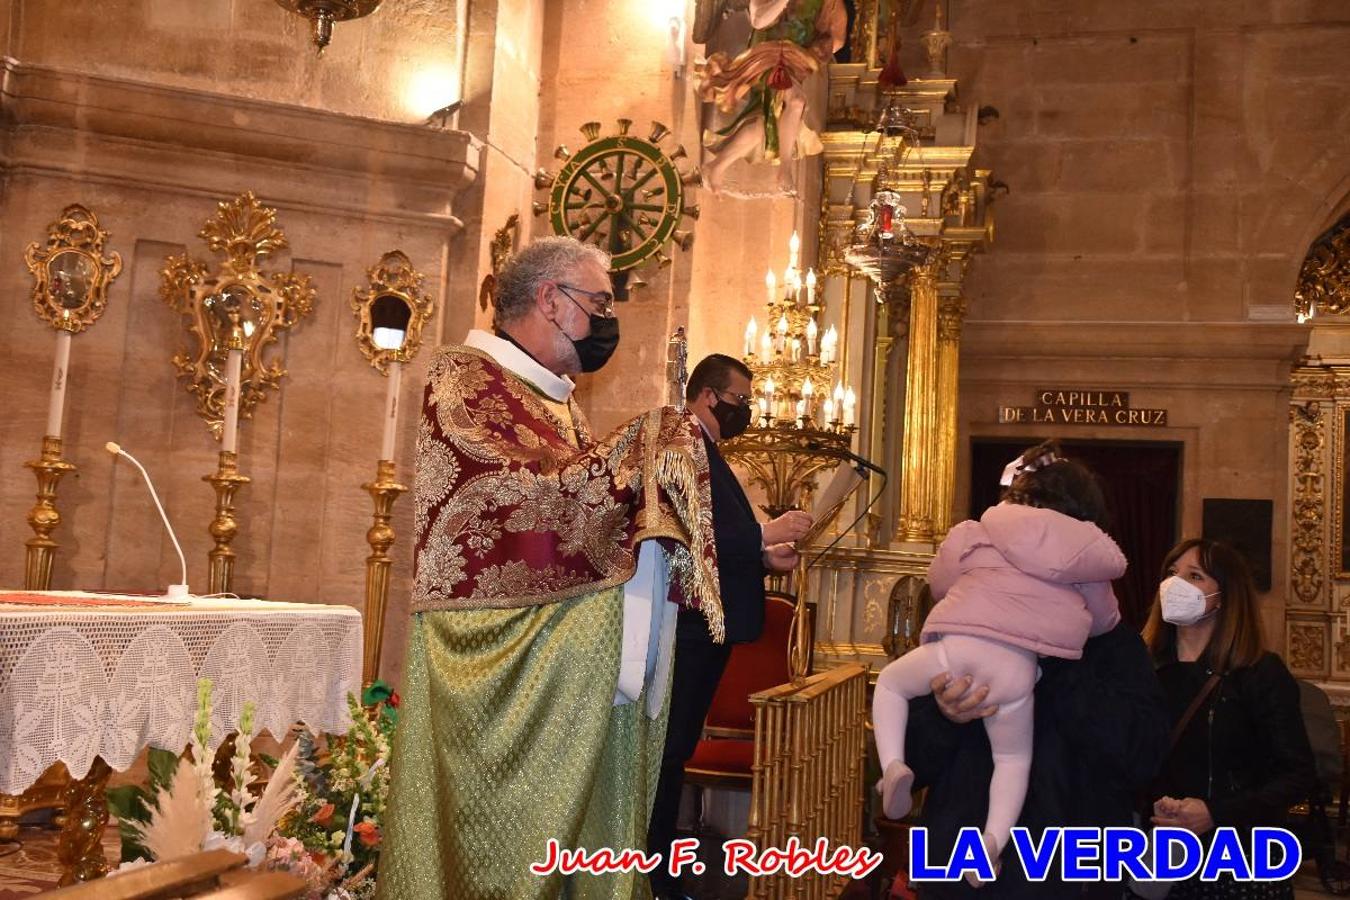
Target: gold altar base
point(223, 527)
point(81, 848)
point(46, 793)
point(44, 517)
point(384, 491)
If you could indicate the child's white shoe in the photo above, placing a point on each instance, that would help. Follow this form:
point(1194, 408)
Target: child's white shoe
point(895, 786)
point(991, 850)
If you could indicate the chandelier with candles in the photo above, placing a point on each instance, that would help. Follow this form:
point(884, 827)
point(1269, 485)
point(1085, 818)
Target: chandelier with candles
point(794, 361)
point(806, 412)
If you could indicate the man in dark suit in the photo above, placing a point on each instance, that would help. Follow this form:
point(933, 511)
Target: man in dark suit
point(718, 393)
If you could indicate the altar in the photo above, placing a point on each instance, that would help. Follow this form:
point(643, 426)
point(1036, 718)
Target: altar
point(90, 680)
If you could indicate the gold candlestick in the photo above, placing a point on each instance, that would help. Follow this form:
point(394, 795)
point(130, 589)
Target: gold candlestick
point(384, 491)
point(43, 517)
point(223, 528)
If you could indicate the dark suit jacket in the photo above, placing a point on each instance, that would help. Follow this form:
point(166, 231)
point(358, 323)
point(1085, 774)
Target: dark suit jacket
point(740, 560)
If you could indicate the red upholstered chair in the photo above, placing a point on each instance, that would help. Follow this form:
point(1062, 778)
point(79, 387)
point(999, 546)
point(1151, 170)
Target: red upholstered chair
point(724, 756)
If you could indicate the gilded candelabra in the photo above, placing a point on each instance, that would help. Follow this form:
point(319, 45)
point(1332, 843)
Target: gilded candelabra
point(71, 276)
point(384, 490)
point(223, 528)
point(391, 311)
point(43, 517)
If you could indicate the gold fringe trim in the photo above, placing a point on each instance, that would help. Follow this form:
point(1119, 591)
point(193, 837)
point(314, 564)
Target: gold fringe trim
point(678, 475)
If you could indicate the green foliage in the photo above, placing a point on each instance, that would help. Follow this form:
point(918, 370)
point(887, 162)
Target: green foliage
point(131, 803)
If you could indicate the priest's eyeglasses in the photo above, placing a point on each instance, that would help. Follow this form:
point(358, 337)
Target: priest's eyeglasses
point(603, 300)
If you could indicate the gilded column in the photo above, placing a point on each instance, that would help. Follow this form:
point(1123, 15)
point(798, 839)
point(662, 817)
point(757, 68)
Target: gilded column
point(920, 454)
point(951, 311)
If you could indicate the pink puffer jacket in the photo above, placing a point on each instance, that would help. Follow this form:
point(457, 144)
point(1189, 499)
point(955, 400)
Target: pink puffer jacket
point(1029, 577)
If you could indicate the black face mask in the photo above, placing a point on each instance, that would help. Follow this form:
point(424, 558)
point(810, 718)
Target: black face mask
point(732, 418)
point(595, 349)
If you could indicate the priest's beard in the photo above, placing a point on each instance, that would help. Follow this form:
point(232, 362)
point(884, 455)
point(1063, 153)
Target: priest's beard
point(566, 353)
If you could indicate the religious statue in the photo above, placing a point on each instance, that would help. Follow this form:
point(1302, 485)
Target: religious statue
point(763, 87)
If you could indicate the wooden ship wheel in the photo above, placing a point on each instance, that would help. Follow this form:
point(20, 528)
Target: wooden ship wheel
point(624, 194)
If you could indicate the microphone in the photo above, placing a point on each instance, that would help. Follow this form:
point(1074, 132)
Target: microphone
point(176, 591)
point(850, 456)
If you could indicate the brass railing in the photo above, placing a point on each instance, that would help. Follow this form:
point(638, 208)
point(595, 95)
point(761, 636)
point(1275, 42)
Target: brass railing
point(808, 772)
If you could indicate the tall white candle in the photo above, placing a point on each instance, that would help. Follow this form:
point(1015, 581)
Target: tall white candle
point(229, 435)
point(60, 374)
point(391, 410)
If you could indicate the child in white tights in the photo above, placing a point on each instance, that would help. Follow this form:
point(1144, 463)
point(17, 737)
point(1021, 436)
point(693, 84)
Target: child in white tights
point(1031, 578)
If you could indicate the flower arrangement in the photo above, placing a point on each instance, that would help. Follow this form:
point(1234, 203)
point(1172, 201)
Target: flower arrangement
point(317, 817)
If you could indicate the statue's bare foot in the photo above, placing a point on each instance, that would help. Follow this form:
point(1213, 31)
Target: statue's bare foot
point(711, 178)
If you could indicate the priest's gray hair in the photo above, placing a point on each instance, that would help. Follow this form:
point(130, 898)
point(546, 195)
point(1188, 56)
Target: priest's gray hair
point(545, 259)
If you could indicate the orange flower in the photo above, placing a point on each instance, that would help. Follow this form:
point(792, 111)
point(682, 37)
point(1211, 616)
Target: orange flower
point(368, 832)
point(324, 815)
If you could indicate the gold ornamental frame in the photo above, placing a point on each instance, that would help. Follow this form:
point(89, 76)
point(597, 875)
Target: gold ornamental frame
point(236, 306)
point(392, 279)
point(71, 274)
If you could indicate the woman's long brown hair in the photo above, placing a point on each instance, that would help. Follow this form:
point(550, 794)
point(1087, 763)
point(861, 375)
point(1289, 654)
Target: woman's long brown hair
point(1237, 640)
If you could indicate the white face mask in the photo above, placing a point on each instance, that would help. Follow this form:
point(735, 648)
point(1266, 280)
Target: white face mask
point(1182, 602)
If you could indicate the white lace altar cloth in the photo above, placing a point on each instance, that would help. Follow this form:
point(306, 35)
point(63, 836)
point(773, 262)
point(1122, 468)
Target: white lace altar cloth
point(86, 680)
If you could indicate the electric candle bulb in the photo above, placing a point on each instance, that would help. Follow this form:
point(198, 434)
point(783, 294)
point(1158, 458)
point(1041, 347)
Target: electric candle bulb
point(794, 245)
point(839, 392)
point(829, 409)
point(771, 283)
point(807, 389)
point(811, 333)
point(850, 402)
point(796, 350)
point(765, 347)
point(810, 287)
point(801, 411)
point(750, 330)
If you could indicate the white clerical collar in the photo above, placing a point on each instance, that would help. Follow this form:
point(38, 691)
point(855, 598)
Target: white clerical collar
point(515, 360)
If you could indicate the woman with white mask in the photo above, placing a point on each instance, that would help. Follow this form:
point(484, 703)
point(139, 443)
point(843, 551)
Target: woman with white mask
point(1239, 755)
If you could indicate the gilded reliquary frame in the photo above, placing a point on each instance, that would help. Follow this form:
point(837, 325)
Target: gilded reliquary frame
point(71, 274)
point(237, 306)
point(393, 296)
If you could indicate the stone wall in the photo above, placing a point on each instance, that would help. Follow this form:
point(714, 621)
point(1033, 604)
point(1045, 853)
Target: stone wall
point(151, 144)
point(399, 64)
point(1168, 165)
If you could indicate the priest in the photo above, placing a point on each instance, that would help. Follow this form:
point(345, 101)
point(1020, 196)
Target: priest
point(548, 568)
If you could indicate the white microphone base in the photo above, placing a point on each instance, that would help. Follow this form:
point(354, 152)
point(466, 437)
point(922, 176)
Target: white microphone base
point(178, 592)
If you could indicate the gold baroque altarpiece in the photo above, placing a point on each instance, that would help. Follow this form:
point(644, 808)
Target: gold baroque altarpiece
point(903, 331)
point(1317, 620)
